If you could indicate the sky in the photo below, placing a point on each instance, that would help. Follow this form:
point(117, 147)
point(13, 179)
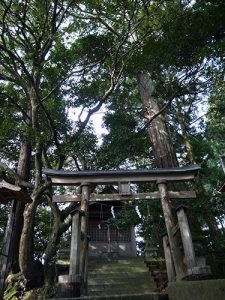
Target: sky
point(96, 119)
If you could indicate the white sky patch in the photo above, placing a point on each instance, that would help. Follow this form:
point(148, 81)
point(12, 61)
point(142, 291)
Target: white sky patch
point(113, 212)
point(96, 119)
point(192, 3)
point(138, 212)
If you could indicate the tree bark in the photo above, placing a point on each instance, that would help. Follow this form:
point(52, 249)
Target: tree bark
point(58, 228)
point(26, 260)
point(31, 269)
point(23, 170)
point(165, 157)
point(164, 153)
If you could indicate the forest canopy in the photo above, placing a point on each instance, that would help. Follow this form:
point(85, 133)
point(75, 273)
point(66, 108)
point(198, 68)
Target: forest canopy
point(151, 71)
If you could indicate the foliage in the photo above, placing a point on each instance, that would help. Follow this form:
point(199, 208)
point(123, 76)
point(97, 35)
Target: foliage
point(82, 55)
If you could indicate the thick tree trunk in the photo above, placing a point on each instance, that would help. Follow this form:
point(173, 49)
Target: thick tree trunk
point(31, 269)
point(23, 170)
point(165, 157)
point(55, 235)
point(164, 153)
point(56, 231)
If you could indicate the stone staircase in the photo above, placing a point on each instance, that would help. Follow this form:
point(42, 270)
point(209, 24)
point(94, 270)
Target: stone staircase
point(119, 276)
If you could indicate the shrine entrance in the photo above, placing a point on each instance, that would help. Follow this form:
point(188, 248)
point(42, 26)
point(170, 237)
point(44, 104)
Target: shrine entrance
point(180, 263)
point(106, 238)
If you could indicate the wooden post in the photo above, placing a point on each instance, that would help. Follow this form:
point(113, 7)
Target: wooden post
point(174, 246)
point(84, 228)
point(186, 237)
point(169, 260)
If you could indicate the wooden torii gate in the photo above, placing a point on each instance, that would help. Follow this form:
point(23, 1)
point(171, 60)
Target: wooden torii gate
point(76, 281)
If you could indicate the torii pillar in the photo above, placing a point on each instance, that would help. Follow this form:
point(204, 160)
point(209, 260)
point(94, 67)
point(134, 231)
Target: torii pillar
point(176, 254)
point(84, 237)
point(75, 284)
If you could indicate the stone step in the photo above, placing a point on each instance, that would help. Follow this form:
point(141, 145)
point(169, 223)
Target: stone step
point(123, 273)
point(129, 268)
point(100, 258)
point(102, 261)
point(112, 284)
point(119, 289)
point(108, 278)
point(119, 277)
point(137, 296)
point(106, 269)
point(119, 292)
point(117, 268)
point(116, 264)
point(117, 260)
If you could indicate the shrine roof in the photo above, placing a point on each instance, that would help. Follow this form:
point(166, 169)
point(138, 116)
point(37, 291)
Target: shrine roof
point(10, 192)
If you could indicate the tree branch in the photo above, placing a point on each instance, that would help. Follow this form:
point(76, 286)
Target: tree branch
point(18, 179)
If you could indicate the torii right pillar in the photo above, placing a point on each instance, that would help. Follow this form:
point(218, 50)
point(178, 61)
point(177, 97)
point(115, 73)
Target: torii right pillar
point(194, 271)
point(185, 233)
point(185, 266)
point(180, 268)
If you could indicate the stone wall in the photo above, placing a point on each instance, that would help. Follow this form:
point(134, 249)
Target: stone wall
point(197, 290)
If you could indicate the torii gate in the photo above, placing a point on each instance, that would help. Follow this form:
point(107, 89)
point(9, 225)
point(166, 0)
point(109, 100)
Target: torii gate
point(76, 282)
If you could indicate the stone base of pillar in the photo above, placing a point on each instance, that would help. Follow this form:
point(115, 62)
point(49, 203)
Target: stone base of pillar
point(68, 286)
point(198, 273)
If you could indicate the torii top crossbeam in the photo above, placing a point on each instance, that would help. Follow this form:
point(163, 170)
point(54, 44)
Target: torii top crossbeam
point(62, 177)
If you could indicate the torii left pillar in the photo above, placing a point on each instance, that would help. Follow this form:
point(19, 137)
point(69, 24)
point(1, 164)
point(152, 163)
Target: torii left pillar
point(69, 285)
point(84, 236)
point(75, 284)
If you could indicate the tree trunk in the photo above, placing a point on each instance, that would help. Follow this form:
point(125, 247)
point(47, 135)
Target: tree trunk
point(164, 153)
point(56, 231)
point(23, 170)
point(31, 269)
point(165, 157)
